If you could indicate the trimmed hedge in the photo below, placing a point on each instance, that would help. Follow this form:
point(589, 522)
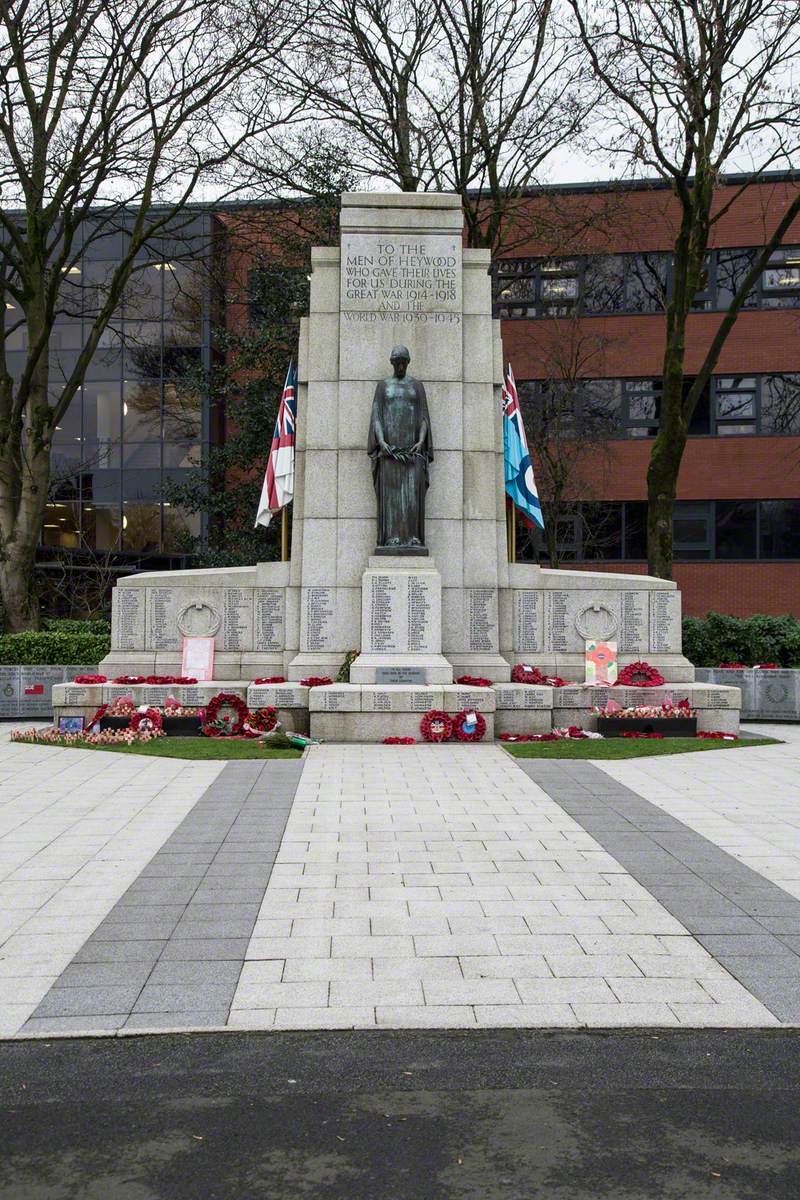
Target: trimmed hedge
point(55, 647)
point(716, 638)
point(100, 628)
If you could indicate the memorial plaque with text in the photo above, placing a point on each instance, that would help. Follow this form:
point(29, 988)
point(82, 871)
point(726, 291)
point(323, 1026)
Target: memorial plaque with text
point(776, 694)
point(482, 619)
point(522, 696)
point(318, 618)
point(634, 625)
point(9, 691)
point(163, 619)
point(665, 622)
point(528, 621)
point(383, 613)
point(237, 619)
point(401, 275)
point(559, 635)
point(419, 611)
point(128, 617)
point(269, 619)
point(36, 689)
point(399, 675)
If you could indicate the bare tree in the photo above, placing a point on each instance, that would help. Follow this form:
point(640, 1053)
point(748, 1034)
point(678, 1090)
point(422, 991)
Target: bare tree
point(695, 89)
point(470, 96)
point(113, 113)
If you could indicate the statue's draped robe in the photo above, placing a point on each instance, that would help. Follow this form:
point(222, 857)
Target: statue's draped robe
point(400, 487)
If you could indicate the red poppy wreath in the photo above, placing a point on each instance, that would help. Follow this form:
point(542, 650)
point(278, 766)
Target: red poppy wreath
point(225, 716)
point(469, 726)
point(639, 674)
point(436, 726)
point(149, 720)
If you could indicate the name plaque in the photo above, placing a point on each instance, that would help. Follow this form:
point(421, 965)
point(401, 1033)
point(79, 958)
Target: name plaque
point(401, 675)
point(401, 275)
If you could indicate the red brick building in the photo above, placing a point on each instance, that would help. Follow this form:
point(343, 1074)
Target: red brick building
point(582, 295)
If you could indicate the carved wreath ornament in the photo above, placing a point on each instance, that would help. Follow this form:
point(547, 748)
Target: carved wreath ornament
point(199, 619)
point(596, 627)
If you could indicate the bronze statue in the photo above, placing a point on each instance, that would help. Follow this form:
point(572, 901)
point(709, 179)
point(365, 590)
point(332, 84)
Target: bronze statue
point(401, 448)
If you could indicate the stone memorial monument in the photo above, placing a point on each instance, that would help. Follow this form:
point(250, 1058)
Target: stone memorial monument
point(433, 596)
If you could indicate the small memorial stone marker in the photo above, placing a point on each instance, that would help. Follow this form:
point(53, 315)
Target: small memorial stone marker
point(400, 675)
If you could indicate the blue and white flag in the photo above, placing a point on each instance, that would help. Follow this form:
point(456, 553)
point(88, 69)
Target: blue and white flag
point(520, 484)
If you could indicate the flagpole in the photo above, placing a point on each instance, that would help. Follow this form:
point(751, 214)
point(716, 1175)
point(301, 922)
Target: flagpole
point(284, 534)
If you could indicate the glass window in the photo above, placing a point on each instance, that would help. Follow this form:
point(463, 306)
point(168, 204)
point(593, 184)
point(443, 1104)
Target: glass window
point(181, 529)
point(600, 406)
point(735, 529)
point(635, 529)
point(183, 412)
point(732, 266)
point(692, 529)
point(141, 484)
point(102, 412)
point(642, 406)
point(780, 404)
point(68, 428)
point(780, 282)
point(141, 410)
point(141, 454)
point(61, 526)
point(735, 399)
point(779, 528)
point(141, 527)
point(559, 285)
point(646, 282)
point(102, 524)
point(602, 531)
point(183, 456)
point(700, 421)
point(704, 296)
point(96, 280)
point(143, 293)
point(604, 284)
point(568, 536)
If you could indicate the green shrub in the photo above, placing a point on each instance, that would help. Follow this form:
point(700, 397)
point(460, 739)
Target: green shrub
point(717, 638)
point(55, 647)
point(98, 627)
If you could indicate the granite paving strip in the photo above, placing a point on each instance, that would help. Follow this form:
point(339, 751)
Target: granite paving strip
point(749, 924)
point(169, 953)
point(440, 886)
point(76, 828)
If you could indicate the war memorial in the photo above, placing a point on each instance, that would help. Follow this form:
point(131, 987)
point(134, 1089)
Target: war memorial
point(399, 554)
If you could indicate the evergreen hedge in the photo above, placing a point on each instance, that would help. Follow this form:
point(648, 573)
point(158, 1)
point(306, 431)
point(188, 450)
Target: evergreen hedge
point(59, 643)
point(716, 638)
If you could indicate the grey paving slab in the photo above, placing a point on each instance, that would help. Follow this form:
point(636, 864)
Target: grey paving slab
point(170, 952)
point(749, 924)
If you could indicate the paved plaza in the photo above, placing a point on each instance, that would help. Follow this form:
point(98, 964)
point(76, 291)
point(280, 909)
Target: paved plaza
point(397, 887)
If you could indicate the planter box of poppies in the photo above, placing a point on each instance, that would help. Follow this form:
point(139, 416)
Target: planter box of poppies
point(667, 726)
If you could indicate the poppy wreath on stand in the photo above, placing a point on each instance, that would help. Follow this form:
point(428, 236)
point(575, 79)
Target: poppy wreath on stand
point(225, 716)
point(272, 679)
point(146, 720)
point(130, 679)
point(469, 726)
point(436, 726)
point(316, 681)
point(473, 681)
point(184, 679)
point(89, 679)
point(522, 673)
point(261, 720)
point(639, 674)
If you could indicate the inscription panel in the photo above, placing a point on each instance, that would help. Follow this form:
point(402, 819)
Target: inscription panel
point(401, 275)
point(269, 619)
point(634, 623)
point(236, 632)
point(401, 612)
point(528, 621)
point(559, 635)
point(383, 632)
point(522, 696)
point(162, 619)
point(481, 616)
point(9, 692)
point(128, 618)
point(665, 622)
point(318, 630)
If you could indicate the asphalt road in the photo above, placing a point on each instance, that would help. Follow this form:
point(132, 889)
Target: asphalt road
point(403, 1116)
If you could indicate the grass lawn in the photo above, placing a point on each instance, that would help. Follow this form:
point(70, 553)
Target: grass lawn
point(627, 747)
point(196, 748)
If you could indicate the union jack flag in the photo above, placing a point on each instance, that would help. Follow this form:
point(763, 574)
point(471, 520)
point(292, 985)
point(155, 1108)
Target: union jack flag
point(520, 484)
point(278, 487)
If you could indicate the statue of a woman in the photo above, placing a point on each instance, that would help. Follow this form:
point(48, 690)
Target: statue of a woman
point(401, 448)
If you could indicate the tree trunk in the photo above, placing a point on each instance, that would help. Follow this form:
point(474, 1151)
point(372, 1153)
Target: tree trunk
point(20, 531)
point(665, 463)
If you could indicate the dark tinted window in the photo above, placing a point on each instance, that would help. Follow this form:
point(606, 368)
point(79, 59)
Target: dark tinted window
point(736, 528)
point(636, 529)
point(780, 404)
point(780, 528)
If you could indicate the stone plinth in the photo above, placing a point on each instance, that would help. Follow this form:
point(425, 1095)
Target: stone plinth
point(401, 622)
